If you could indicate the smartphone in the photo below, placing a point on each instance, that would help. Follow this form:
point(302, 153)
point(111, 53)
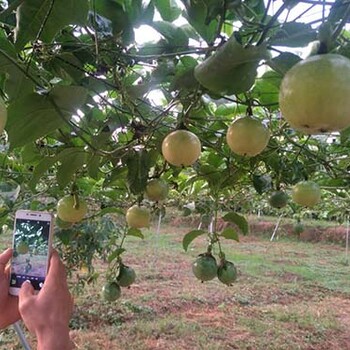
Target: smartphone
point(32, 238)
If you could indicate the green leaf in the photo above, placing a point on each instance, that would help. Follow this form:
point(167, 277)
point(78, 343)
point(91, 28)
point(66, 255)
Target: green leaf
point(116, 253)
point(34, 115)
point(135, 232)
point(294, 34)
point(262, 183)
point(190, 236)
point(232, 69)
point(282, 63)
point(196, 14)
point(93, 166)
point(345, 135)
point(230, 233)
point(17, 82)
point(266, 89)
point(139, 163)
point(36, 17)
point(40, 170)
point(238, 220)
point(168, 9)
point(114, 12)
point(71, 160)
point(65, 236)
point(173, 34)
point(110, 210)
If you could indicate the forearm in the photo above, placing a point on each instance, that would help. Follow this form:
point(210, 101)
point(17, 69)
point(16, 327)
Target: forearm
point(54, 339)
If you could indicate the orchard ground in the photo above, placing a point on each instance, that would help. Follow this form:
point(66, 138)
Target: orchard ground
point(291, 294)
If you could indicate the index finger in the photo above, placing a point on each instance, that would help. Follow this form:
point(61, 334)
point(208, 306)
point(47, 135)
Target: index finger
point(5, 258)
point(56, 276)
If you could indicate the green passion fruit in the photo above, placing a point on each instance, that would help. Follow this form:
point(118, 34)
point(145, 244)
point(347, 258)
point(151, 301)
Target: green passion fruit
point(227, 272)
point(126, 276)
point(157, 190)
point(205, 267)
point(111, 291)
point(278, 199)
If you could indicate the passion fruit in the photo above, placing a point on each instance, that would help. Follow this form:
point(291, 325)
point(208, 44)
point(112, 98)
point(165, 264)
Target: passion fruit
point(227, 272)
point(278, 199)
point(138, 217)
point(111, 291)
point(157, 190)
point(181, 148)
point(306, 193)
point(205, 267)
point(314, 94)
point(247, 136)
point(126, 276)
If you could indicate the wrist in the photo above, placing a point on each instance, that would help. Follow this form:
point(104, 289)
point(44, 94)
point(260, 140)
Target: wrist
point(56, 338)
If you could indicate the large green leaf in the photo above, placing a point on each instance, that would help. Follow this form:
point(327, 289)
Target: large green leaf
point(17, 81)
point(135, 232)
point(266, 89)
point(232, 69)
point(42, 19)
point(168, 9)
point(71, 160)
point(40, 170)
point(116, 13)
point(190, 236)
point(230, 233)
point(196, 14)
point(173, 34)
point(34, 115)
point(294, 34)
point(283, 62)
point(238, 220)
point(139, 163)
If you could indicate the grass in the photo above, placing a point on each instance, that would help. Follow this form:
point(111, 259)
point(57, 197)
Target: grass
point(289, 295)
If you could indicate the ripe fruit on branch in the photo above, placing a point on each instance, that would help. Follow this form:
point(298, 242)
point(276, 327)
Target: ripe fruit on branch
point(71, 208)
point(227, 272)
point(247, 136)
point(138, 217)
point(205, 267)
point(3, 115)
point(314, 94)
point(157, 190)
point(181, 148)
point(111, 291)
point(278, 199)
point(306, 193)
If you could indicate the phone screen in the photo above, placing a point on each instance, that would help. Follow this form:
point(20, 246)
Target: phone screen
point(30, 252)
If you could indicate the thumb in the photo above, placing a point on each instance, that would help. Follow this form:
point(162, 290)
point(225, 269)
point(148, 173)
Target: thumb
point(26, 290)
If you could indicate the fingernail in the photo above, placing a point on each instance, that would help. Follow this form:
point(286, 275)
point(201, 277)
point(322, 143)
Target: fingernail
point(27, 281)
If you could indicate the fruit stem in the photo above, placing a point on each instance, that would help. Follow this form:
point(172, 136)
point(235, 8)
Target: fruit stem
point(76, 203)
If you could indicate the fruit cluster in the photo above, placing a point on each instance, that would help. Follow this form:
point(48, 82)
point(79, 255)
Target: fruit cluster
point(205, 268)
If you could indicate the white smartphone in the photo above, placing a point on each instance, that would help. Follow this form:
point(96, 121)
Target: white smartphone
point(32, 238)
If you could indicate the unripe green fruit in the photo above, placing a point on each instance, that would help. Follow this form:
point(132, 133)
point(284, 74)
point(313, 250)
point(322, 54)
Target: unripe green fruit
point(205, 267)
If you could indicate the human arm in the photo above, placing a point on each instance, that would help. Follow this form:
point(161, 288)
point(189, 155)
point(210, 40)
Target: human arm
point(9, 313)
point(47, 313)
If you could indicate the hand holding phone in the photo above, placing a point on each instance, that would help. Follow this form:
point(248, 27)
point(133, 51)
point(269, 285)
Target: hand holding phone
point(8, 304)
point(31, 249)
